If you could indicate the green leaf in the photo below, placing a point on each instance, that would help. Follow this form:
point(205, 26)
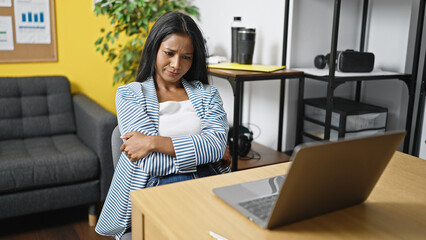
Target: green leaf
point(154, 8)
point(112, 55)
point(192, 10)
point(99, 41)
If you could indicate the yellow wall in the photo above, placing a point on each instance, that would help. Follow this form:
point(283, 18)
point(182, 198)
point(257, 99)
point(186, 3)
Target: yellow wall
point(77, 29)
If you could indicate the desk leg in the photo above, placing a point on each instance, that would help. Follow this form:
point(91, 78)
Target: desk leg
point(299, 123)
point(281, 115)
point(241, 93)
point(236, 125)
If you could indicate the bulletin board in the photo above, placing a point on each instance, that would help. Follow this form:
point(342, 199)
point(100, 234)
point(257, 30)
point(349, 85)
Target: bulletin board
point(24, 51)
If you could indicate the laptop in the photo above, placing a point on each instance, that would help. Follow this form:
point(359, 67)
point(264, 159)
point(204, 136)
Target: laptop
point(324, 177)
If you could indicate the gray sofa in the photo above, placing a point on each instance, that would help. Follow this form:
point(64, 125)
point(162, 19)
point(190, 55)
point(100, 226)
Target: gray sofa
point(55, 148)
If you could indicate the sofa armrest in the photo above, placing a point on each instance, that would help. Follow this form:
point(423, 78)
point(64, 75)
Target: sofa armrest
point(94, 127)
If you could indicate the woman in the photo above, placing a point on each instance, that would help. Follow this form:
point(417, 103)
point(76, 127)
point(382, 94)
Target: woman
point(172, 121)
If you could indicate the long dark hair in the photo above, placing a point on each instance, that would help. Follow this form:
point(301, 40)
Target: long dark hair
point(170, 23)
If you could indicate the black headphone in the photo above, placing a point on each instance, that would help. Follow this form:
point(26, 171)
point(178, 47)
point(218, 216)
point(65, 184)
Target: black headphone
point(320, 61)
point(245, 137)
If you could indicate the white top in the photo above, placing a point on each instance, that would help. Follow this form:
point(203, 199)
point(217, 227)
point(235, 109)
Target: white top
point(178, 119)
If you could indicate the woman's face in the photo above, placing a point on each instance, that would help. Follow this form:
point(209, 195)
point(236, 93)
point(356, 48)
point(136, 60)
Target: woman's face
point(174, 58)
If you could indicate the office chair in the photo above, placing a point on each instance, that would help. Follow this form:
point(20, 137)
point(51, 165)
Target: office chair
point(116, 142)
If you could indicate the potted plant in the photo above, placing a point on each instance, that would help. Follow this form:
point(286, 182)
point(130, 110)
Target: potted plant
point(130, 22)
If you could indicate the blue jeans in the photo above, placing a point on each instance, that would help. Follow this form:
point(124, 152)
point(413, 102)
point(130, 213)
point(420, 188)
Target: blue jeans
point(202, 171)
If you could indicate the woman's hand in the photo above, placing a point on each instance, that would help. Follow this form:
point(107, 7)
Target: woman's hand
point(226, 159)
point(136, 146)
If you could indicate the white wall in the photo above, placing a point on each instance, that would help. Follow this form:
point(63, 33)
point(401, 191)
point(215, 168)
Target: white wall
point(261, 99)
point(310, 35)
point(388, 40)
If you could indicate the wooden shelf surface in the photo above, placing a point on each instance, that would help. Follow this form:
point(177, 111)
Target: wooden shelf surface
point(268, 156)
point(252, 74)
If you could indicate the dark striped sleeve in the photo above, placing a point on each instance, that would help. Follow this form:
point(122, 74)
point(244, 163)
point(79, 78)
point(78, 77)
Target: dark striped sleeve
point(131, 110)
point(132, 116)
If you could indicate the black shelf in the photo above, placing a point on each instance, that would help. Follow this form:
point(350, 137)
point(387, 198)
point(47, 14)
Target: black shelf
point(349, 118)
point(340, 78)
point(333, 78)
point(422, 96)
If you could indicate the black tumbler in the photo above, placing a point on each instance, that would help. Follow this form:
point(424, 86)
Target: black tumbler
point(246, 40)
point(236, 26)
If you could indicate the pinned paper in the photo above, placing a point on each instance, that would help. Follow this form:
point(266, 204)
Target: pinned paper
point(32, 21)
point(6, 34)
point(5, 3)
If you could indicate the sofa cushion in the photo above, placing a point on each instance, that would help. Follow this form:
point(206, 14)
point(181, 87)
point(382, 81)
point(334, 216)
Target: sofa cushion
point(45, 161)
point(35, 106)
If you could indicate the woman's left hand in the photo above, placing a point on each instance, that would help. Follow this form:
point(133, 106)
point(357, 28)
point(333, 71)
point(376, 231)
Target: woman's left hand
point(226, 159)
point(136, 146)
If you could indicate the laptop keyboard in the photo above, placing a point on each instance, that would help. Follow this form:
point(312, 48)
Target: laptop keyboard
point(260, 207)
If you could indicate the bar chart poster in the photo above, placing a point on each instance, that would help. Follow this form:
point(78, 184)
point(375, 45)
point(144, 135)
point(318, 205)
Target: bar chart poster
point(32, 21)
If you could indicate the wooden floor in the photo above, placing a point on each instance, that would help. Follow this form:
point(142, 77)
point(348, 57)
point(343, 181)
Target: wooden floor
point(66, 224)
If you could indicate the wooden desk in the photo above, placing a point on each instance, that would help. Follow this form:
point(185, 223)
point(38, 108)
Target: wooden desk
point(237, 78)
point(396, 209)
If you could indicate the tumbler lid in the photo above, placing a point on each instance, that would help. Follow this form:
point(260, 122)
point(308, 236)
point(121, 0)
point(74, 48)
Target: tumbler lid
point(247, 30)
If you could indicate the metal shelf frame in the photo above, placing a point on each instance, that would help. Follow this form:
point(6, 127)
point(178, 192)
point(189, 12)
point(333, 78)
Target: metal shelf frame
point(237, 79)
point(333, 82)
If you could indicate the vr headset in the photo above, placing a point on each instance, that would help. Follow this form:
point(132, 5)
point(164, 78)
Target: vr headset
point(348, 61)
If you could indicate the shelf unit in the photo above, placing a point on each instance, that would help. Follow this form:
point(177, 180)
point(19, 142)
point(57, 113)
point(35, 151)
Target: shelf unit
point(349, 119)
point(237, 78)
point(333, 78)
point(420, 124)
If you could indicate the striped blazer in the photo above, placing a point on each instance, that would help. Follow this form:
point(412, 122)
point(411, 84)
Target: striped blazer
point(138, 110)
